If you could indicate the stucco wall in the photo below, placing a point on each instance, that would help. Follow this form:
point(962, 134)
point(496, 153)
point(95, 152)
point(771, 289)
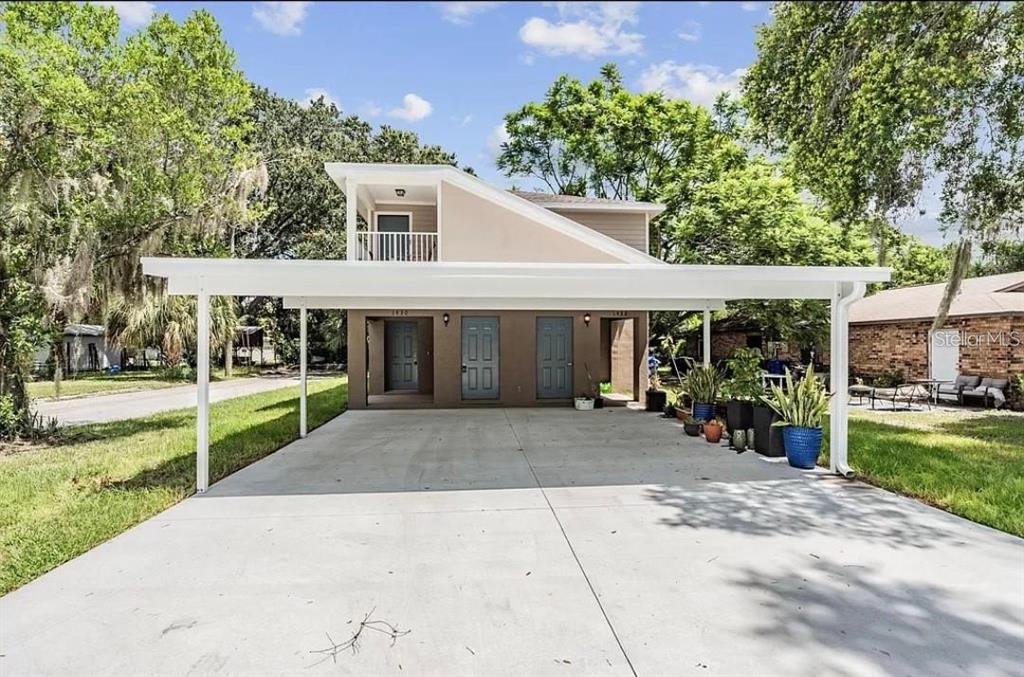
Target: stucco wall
point(517, 336)
point(424, 217)
point(627, 227)
point(474, 229)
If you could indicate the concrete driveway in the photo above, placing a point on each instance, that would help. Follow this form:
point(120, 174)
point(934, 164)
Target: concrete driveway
point(120, 406)
point(530, 542)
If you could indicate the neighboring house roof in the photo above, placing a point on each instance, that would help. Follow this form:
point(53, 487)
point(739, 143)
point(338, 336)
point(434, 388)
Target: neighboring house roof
point(992, 294)
point(567, 202)
point(84, 330)
point(425, 174)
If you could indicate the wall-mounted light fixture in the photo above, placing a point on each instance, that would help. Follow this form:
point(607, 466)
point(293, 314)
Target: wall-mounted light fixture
point(446, 318)
point(400, 192)
point(586, 319)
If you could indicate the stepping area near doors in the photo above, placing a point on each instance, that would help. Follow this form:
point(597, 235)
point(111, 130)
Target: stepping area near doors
point(529, 541)
point(507, 358)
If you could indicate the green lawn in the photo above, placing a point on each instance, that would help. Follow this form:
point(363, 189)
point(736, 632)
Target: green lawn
point(967, 462)
point(100, 382)
point(57, 502)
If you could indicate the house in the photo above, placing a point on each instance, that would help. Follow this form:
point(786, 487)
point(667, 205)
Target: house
point(984, 335)
point(84, 348)
point(461, 294)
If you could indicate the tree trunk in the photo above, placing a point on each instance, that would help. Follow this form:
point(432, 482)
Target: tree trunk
point(229, 357)
point(961, 263)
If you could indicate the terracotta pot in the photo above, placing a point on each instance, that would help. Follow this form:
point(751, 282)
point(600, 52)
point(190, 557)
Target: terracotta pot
point(713, 432)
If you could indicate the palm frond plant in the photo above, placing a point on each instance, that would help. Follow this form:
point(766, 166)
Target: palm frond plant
point(801, 408)
point(702, 384)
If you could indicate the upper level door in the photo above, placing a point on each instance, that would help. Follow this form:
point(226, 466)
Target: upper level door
point(481, 358)
point(402, 356)
point(554, 357)
point(393, 247)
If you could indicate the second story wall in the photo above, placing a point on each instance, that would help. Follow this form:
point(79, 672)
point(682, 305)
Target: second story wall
point(627, 227)
point(475, 229)
point(424, 217)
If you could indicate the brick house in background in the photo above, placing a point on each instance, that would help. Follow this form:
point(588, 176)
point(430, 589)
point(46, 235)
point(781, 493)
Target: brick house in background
point(984, 335)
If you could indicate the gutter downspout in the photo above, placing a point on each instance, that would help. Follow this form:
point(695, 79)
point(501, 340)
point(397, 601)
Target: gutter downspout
point(843, 298)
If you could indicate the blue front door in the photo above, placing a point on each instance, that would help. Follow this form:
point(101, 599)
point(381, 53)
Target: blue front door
point(480, 358)
point(402, 356)
point(554, 357)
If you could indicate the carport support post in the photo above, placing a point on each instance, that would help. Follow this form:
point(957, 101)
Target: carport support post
point(302, 371)
point(843, 296)
point(203, 391)
point(707, 337)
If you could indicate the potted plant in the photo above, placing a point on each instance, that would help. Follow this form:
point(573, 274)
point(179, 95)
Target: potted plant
point(702, 385)
point(583, 402)
point(656, 397)
point(801, 408)
point(691, 426)
point(744, 387)
point(671, 404)
point(713, 431)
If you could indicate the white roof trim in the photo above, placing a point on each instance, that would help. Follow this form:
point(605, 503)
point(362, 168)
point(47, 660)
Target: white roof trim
point(435, 174)
point(491, 285)
point(631, 207)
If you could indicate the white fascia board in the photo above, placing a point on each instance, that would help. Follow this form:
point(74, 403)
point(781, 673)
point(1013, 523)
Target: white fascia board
point(620, 282)
point(651, 209)
point(409, 175)
point(476, 303)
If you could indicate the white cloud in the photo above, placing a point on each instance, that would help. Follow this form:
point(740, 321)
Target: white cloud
point(700, 84)
point(370, 109)
point(463, 121)
point(527, 58)
point(690, 31)
point(462, 13)
point(498, 136)
point(750, 6)
point(413, 108)
point(132, 14)
point(314, 93)
point(586, 29)
point(281, 18)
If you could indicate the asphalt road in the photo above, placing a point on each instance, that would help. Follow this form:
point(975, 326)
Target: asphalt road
point(125, 405)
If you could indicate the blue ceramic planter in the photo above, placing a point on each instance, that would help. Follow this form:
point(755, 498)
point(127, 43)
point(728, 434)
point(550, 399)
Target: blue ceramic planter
point(703, 412)
point(803, 445)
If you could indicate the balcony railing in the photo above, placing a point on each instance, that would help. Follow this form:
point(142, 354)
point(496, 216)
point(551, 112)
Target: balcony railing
point(378, 246)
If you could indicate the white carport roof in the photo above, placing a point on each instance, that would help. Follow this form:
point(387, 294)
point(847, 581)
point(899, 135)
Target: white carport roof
point(502, 286)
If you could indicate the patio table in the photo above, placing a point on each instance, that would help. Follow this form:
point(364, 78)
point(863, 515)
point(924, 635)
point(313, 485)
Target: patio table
point(932, 384)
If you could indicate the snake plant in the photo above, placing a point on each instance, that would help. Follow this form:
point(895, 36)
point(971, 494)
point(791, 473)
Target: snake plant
point(702, 383)
point(801, 405)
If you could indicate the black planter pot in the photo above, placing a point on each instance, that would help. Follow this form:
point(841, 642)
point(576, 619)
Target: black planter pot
point(767, 438)
point(670, 411)
point(739, 414)
point(691, 429)
point(656, 400)
point(598, 402)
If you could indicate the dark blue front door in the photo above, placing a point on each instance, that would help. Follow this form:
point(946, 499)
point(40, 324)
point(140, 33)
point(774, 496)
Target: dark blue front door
point(554, 357)
point(480, 358)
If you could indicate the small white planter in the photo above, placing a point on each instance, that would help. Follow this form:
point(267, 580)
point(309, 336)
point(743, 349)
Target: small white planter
point(584, 403)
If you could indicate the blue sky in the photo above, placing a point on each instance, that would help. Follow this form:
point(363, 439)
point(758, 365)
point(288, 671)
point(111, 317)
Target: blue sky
point(451, 70)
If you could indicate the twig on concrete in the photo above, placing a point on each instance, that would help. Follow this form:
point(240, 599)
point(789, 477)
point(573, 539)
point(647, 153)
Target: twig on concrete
point(352, 643)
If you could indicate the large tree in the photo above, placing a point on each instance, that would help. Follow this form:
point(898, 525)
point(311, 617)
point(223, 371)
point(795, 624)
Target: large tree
point(871, 100)
point(602, 139)
point(109, 149)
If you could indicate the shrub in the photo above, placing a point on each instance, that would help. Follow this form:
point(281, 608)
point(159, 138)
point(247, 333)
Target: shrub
point(745, 375)
point(10, 418)
point(179, 372)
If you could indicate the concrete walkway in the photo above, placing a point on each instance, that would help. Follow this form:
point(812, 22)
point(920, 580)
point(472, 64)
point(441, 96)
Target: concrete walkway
point(134, 404)
point(528, 542)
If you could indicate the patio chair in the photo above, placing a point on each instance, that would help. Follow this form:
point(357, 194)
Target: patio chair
point(956, 388)
point(993, 389)
point(907, 393)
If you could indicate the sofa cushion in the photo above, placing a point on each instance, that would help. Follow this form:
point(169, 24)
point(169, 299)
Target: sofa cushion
point(968, 381)
point(996, 383)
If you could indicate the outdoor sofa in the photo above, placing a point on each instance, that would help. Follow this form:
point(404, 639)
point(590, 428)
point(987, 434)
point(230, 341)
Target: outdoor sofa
point(976, 388)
